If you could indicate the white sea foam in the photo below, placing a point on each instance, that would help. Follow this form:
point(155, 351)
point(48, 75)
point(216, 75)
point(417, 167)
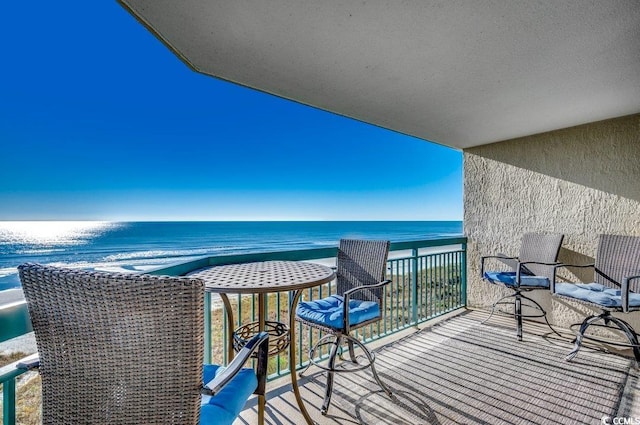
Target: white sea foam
point(39, 251)
point(124, 266)
point(8, 271)
point(157, 254)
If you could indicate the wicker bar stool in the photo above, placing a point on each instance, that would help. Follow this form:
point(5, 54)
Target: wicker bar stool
point(533, 269)
point(128, 349)
point(615, 288)
point(361, 267)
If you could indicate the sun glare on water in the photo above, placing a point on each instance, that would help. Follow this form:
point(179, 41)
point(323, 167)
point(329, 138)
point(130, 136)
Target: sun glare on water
point(50, 232)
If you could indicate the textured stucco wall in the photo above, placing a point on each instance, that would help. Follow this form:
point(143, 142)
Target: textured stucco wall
point(579, 181)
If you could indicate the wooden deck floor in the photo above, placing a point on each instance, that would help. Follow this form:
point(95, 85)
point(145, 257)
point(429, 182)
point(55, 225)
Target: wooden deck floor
point(459, 371)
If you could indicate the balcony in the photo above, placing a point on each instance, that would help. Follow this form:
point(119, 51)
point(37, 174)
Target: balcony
point(442, 364)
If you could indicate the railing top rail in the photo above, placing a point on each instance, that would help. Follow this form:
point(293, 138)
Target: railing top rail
point(428, 243)
point(14, 320)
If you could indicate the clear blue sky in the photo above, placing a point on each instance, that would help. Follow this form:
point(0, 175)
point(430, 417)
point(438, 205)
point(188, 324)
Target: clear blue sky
point(99, 121)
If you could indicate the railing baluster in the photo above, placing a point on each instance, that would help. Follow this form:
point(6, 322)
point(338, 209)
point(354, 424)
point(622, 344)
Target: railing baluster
point(398, 295)
point(207, 328)
point(449, 280)
point(414, 286)
point(430, 284)
point(463, 275)
point(278, 366)
point(309, 328)
point(9, 402)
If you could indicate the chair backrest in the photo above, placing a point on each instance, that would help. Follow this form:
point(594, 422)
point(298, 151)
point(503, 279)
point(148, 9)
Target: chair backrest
point(116, 348)
point(618, 257)
point(541, 247)
point(362, 262)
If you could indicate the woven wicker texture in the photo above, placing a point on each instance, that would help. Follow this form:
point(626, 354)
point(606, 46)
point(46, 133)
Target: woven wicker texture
point(618, 257)
point(361, 263)
point(543, 248)
point(116, 349)
point(263, 277)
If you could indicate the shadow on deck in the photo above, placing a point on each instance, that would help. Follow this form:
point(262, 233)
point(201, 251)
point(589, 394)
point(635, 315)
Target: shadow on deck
point(461, 372)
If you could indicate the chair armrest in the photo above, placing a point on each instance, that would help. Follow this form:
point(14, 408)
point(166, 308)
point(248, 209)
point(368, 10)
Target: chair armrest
point(509, 261)
point(513, 262)
point(363, 287)
point(555, 263)
point(347, 296)
point(561, 265)
point(29, 362)
point(260, 341)
point(601, 273)
point(501, 256)
point(521, 266)
point(575, 265)
point(624, 291)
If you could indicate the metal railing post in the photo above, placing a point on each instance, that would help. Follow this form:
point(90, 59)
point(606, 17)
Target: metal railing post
point(207, 327)
point(414, 286)
point(9, 401)
point(463, 275)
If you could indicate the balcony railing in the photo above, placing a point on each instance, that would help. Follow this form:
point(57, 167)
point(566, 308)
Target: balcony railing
point(427, 280)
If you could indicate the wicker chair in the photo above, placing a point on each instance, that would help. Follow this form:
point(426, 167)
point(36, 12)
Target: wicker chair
point(532, 270)
point(116, 349)
point(615, 288)
point(360, 274)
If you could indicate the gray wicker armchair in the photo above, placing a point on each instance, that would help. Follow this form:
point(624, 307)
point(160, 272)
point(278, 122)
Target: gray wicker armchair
point(116, 349)
point(532, 270)
point(360, 280)
point(615, 288)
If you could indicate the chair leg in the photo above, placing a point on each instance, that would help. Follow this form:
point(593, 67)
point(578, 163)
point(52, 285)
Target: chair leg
point(544, 313)
point(629, 333)
point(330, 373)
point(306, 368)
point(336, 348)
point(517, 311)
point(312, 353)
point(352, 353)
point(517, 306)
point(371, 358)
point(493, 307)
point(583, 327)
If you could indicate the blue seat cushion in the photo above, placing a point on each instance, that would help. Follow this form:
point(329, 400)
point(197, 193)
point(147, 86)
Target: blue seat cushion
point(224, 407)
point(509, 279)
point(329, 311)
point(596, 293)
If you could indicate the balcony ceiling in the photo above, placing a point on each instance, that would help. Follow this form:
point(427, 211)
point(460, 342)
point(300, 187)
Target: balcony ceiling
point(459, 73)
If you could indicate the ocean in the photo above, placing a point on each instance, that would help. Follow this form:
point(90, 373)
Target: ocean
point(141, 246)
